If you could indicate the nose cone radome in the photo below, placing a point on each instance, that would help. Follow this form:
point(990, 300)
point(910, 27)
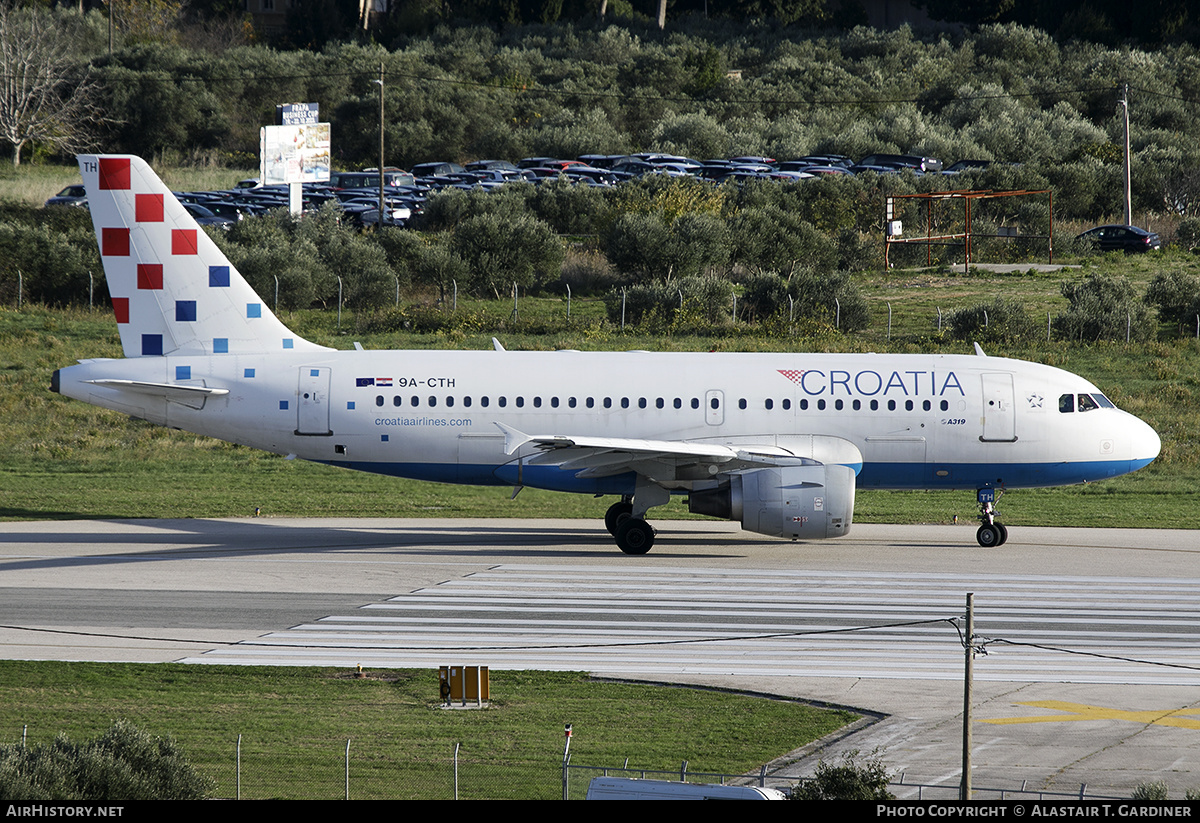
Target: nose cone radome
point(1145, 443)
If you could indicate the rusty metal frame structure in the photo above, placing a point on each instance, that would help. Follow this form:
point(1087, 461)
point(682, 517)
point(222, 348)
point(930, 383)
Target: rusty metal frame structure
point(968, 196)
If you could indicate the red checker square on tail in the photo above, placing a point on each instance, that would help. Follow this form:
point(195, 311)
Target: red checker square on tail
point(148, 208)
point(149, 275)
point(183, 241)
point(121, 309)
point(114, 173)
point(114, 242)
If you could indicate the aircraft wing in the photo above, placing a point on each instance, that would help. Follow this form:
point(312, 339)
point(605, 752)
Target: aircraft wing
point(592, 456)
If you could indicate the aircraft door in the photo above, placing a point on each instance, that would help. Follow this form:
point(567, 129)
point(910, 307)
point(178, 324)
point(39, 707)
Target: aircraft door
point(714, 407)
point(312, 401)
point(999, 410)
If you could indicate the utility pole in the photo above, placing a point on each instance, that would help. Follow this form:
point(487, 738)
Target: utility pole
point(1128, 188)
point(964, 792)
point(379, 225)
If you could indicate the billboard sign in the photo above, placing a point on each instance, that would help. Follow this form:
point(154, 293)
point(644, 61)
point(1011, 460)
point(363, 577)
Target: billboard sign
point(294, 154)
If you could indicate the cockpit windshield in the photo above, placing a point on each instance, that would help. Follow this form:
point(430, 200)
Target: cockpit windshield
point(1069, 403)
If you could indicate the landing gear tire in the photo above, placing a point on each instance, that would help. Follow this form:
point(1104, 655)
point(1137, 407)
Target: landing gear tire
point(617, 514)
point(990, 535)
point(1003, 533)
point(634, 536)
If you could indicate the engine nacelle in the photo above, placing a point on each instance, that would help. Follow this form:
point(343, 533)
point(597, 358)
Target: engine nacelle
point(798, 502)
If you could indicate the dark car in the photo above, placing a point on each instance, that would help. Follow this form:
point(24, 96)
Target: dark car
point(1128, 239)
point(436, 169)
point(966, 165)
point(903, 161)
point(70, 196)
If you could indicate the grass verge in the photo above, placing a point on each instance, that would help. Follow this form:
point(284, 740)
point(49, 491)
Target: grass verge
point(294, 725)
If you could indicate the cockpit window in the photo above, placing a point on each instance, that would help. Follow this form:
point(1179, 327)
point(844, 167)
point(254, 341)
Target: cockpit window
point(1068, 403)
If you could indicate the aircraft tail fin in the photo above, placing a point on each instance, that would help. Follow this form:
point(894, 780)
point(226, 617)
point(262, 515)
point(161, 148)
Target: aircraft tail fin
point(173, 291)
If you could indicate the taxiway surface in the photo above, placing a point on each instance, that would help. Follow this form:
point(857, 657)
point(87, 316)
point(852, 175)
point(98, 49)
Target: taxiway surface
point(1092, 636)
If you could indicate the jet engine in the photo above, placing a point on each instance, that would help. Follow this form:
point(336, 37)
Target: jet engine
point(811, 502)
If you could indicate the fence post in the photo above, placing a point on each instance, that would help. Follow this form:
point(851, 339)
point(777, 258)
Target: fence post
point(339, 328)
point(456, 745)
point(20, 288)
point(566, 757)
point(347, 768)
point(622, 309)
point(91, 291)
point(568, 285)
point(889, 337)
point(239, 767)
point(837, 322)
point(276, 293)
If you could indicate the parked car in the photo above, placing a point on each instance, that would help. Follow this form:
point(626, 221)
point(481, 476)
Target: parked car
point(1128, 239)
point(206, 218)
point(70, 196)
point(902, 161)
point(436, 169)
point(966, 165)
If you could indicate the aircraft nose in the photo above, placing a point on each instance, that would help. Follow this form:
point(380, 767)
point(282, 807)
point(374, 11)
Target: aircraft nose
point(1145, 443)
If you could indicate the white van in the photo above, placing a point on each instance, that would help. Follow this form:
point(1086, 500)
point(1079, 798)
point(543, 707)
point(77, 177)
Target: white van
point(632, 788)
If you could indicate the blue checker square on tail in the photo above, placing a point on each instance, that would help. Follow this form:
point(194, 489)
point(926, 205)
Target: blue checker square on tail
point(254, 310)
point(218, 276)
point(152, 345)
point(248, 373)
point(283, 404)
point(350, 405)
point(183, 372)
point(288, 343)
point(383, 438)
point(220, 345)
point(185, 310)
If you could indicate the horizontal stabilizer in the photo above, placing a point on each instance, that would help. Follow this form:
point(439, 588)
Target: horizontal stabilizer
point(169, 391)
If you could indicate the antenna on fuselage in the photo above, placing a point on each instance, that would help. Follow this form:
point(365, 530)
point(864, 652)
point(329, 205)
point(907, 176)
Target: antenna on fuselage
point(979, 350)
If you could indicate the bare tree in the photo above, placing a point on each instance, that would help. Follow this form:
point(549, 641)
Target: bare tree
point(46, 97)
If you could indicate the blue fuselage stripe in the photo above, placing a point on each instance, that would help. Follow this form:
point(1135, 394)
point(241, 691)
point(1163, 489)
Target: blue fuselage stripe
point(947, 476)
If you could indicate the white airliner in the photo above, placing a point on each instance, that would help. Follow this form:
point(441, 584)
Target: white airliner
point(778, 442)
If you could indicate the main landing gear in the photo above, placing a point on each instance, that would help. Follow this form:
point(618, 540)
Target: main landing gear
point(634, 535)
point(626, 519)
point(991, 533)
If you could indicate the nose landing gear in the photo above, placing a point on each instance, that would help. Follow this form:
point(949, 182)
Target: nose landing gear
point(991, 533)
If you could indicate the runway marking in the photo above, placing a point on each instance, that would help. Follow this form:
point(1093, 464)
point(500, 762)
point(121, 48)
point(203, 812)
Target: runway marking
point(1082, 711)
point(789, 622)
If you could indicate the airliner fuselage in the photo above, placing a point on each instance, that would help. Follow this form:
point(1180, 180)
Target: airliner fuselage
point(779, 442)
